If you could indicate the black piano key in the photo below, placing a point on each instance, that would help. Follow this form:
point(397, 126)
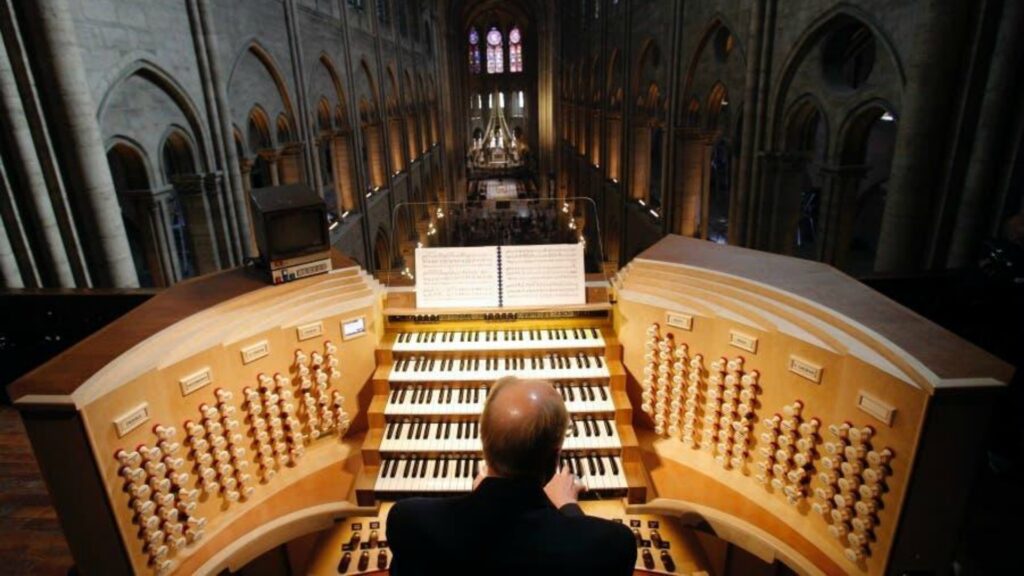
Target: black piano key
point(398, 431)
point(599, 361)
point(476, 467)
point(608, 427)
point(406, 465)
point(572, 393)
point(604, 394)
point(580, 471)
point(590, 465)
point(389, 431)
point(600, 465)
point(615, 465)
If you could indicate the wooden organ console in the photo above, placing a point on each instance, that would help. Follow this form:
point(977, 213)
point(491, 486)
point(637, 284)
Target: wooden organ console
point(792, 410)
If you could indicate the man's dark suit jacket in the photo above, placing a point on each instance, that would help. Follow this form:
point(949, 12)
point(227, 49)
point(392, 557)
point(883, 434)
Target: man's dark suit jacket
point(504, 527)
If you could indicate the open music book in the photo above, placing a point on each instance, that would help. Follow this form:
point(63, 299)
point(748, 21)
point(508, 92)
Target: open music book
point(500, 276)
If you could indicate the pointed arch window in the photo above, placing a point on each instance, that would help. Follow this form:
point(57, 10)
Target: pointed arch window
point(475, 64)
point(515, 50)
point(495, 51)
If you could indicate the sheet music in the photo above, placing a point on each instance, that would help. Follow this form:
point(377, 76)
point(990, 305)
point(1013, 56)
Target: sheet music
point(457, 277)
point(544, 275)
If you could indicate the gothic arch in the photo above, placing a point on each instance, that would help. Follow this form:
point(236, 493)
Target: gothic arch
point(713, 27)
point(164, 82)
point(853, 131)
point(259, 136)
point(265, 58)
point(374, 96)
point(332, 71)
point(177, 154)
point(141, 175)
point(829, 21)
point(796, 122)
point(613, 79)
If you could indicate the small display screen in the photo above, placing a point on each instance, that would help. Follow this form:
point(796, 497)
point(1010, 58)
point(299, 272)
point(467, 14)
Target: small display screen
point(352, 328)
point(296, 233)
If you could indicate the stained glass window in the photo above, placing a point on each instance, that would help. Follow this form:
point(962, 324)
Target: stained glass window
point(515, 50)
point(495, 51)
point(475, 63)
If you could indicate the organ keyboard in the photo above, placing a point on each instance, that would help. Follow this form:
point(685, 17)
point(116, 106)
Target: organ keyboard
point(419, 399)
point(553, 366)
point(480, 340)
point(432, 379)
point(418, 435)
point(804, 417)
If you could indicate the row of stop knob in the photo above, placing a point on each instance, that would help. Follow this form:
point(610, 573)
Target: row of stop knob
point(164, 507)
point(852, 483)
point(787, 450)
point(218, 448)
point(274, 420)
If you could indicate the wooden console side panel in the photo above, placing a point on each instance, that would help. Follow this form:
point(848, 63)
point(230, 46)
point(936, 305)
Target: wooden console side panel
point(833, 401)
point(948, 458)
point(65, 458)
point(161, 391)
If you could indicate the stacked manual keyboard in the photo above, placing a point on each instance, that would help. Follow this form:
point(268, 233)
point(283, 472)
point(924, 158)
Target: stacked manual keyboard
point(431, 386)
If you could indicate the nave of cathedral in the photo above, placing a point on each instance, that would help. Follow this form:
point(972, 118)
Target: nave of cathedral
point(801, 232)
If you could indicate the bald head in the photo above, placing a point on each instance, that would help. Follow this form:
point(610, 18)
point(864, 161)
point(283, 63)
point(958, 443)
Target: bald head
point(522, 429)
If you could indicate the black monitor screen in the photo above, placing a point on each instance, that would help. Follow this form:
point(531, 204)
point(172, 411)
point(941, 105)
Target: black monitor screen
point(296, 232)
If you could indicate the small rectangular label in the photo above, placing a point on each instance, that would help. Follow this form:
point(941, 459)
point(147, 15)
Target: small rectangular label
point(875, 407)
point(193, 382)
point(132, 419)
point(805, 369)
point(743, 341)
point(353, 328)
point(679, 320)
point(307, 331)
point(255, 351)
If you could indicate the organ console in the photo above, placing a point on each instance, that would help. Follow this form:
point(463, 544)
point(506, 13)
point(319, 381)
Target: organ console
point(785, 407)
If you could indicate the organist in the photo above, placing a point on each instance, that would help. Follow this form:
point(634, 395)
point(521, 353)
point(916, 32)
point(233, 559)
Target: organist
point(522, 516)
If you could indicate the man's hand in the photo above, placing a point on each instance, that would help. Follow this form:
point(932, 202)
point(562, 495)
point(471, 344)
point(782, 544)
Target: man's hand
point(563, 488)
point(480, 475)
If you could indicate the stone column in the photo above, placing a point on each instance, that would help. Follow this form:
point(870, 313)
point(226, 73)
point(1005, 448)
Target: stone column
point(344, 173)
point(839, 209)
point(289, 165)
point(163, 201)
point(738, 208)
point(192, 194)
point(159, 252)
point(973, 218)
point(783, 186)
point(237, 207)
point(395, 142)
point(934, 68)
point(230, 244)
point(245, 166)
point(375, 155)
point(693, 158)
point(271, 157)
point(78, 130)
point(9, 273)
point(57, 270)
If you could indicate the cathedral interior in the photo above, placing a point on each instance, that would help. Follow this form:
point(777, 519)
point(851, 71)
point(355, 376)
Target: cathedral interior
point(861, 162)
